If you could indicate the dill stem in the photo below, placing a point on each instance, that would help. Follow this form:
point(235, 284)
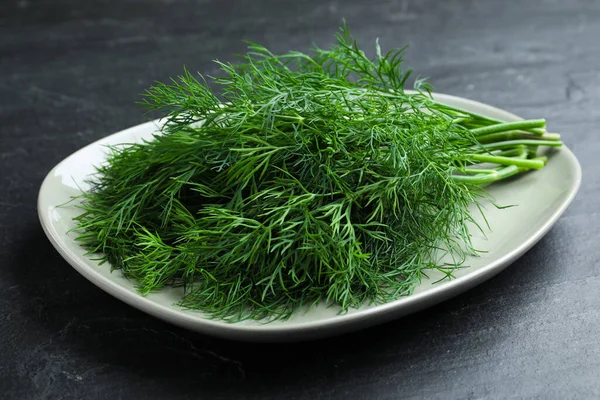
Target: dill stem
point(479, 119)
point(512, 135)
point(518, 150)
point(466, 112)
point(524, 163)
point(509, 126)
point(511, 143)
point(487, 178)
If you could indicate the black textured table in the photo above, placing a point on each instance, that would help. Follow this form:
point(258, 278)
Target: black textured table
point(70, 73)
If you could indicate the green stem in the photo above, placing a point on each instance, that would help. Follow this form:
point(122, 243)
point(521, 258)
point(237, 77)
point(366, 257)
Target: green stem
point(465, 112)
point(524, 163)
point(476, 170)
point(518, 150)
point(509, 126)
point(485, 179)
point(511, 135)
point(478, 118)
point(550, 136)
point(512, 143)
point(532, 151)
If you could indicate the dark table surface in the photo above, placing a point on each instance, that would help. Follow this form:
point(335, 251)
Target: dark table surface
point(70, 73)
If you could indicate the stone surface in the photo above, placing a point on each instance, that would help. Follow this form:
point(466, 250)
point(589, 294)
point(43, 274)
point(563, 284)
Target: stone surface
point(71, 73)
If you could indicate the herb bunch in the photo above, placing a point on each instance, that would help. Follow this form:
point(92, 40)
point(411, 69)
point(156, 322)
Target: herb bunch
point(310, 178)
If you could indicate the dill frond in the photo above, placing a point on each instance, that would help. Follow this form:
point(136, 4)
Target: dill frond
point(302, 179)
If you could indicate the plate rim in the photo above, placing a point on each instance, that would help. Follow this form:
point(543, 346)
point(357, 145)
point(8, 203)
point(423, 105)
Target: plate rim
point(379, 313)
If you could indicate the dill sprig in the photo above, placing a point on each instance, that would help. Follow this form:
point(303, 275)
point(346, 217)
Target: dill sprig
point(303, 179)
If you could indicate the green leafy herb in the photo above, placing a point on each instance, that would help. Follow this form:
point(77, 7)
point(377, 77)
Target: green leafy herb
point(305, 178)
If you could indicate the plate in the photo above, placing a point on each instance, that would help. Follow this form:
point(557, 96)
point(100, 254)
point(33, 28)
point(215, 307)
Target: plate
point(541, 197)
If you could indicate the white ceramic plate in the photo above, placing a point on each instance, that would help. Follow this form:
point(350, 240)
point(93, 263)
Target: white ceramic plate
point(541, 196)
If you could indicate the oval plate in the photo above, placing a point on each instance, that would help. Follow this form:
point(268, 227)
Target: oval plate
point(541, 197)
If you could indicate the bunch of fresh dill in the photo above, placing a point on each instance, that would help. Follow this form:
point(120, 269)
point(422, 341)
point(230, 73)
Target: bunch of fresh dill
point(312, 178)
